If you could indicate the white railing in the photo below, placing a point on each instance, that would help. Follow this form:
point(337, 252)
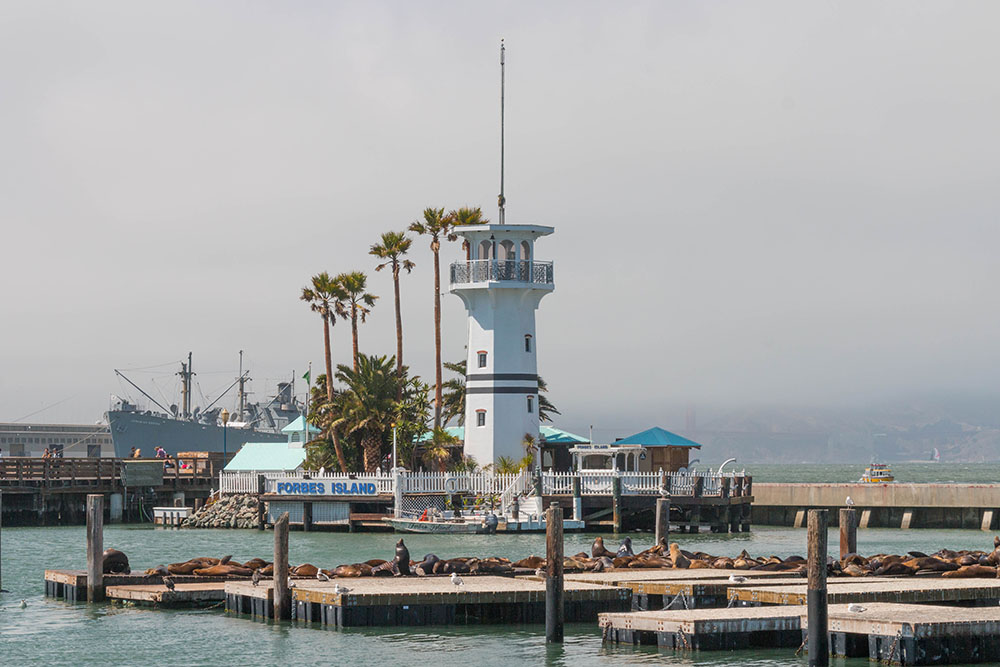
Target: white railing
point(508, 486)
point(490, 270)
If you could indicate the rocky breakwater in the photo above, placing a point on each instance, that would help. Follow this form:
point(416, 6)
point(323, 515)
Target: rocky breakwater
point(236, 511)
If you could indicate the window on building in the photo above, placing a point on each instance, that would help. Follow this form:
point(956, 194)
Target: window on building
point(527, 343)
point(482, 359)
point(480, 417)
point(531, 404)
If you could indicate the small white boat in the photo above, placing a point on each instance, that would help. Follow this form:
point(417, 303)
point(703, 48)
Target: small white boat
point(439, 526)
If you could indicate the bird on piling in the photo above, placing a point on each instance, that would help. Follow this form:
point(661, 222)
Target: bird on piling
point(169, 583)
point(849, 502)
point(855, 608)
point(291, 584)
point(255, 577)
point(457, 580)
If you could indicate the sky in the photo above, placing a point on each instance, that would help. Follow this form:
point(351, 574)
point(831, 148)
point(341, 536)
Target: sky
point(770, 203)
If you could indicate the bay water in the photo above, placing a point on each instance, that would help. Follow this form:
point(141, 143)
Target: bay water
point(51, 631)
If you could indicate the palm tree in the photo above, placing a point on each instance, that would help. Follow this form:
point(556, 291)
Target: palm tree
point(435, 225)
point(367, 406)
point(437, 451)
point(393, 246)
point(322, 297)
point(356, 302)
point(453, 396)
point(545, 407)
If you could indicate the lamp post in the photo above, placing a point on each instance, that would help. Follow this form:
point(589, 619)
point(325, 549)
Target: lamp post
point(394, 460)
point(224, 416)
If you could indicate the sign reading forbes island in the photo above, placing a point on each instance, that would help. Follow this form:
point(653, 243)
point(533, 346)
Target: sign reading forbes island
point(345, 488)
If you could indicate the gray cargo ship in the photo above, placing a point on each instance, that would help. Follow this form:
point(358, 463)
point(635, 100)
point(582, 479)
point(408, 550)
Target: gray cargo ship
point(186, 429)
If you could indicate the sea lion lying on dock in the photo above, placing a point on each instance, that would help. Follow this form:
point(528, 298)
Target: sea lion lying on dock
point(115, 562)
point(305, 570)
point(223, 571)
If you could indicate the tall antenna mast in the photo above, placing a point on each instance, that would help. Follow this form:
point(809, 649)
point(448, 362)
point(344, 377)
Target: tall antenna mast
point(501, 200)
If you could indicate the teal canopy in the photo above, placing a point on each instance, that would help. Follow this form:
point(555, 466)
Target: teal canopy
point(657, 437)
point(264, 456)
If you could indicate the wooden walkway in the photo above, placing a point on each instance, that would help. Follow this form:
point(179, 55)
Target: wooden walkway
point(425, 601)
point(898, 590)
point(188, 595)
point(706, 629)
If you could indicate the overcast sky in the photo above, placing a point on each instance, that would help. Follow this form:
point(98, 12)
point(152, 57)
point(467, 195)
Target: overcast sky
point(754, 203)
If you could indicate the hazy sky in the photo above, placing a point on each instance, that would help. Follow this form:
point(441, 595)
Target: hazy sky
point(769, 202)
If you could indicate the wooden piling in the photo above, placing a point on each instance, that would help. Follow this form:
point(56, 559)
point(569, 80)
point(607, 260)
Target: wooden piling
point(260, 502)
point(577, 499)
point(282, 596)
point(555, 613)
point(95, 547)
point(662, 519)
point(616, 502)
point(818, 639)
point(848, 522)
point(307, 516)
point(1, 539)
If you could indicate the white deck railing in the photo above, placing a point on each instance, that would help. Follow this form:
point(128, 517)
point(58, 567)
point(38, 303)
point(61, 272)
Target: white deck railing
point(508, 486)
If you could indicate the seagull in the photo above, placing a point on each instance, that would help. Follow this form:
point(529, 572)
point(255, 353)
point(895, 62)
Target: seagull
point(737, 579)
point(338, 589)
point(24, 603)
point(321, 576)
point(855, 608)
point(849, 502)
point(540, 573)
point(457, 580)
point(169, 583)
point(255, 577)
point(291, 584)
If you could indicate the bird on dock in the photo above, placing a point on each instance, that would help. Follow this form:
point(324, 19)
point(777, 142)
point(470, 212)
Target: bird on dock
point(169, 583)
point(855, 608)
point(255, 577)
point(321, 576)
point(338, 589)
point(737, 579)
point(540, 573)
point(291, 584)
point(457, 580)
point(849, 502)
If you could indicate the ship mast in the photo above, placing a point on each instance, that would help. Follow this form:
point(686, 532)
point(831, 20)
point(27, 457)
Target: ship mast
point(501, 199)
point(186, 374)
point(243, 394)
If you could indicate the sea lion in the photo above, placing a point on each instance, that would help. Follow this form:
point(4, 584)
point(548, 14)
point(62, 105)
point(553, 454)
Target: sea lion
point(386, 569)
point(115, 562)
point(426, 566)
point(894, 567)
point(267, 570)
point(159, 569)
point(934, 564)
point(305, 570)
point(183, 568)
point(603, 563)
point(347, 571)
point(597, 549)
point(256, 563)
point(225, 559)
point(677, 559)
point(971, 571)
point(402, 558)
point(533, 562)
point(223, 571)
point(626, 548)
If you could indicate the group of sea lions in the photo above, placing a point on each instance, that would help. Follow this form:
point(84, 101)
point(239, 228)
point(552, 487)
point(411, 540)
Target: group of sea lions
point(945, 563)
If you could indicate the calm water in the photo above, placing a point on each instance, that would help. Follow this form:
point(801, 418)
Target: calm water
point(50, 631)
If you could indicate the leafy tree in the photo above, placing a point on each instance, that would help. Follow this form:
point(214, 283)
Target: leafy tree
point(438, 449)
point(356, 303)
point(392, 248)
point(453, 396)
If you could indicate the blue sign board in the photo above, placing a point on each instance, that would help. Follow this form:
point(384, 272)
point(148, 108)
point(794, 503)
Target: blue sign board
point(310, 488)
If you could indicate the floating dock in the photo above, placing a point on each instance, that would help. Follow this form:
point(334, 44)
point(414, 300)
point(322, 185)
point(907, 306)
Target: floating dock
point(399, 601)
point(71, 585)
point(186, 595)
point(864, 590)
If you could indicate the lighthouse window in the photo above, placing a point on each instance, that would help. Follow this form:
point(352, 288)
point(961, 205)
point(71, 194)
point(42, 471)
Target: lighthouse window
point(527, 343)
point(531, 404)
point(482, 360)
point(480, 417)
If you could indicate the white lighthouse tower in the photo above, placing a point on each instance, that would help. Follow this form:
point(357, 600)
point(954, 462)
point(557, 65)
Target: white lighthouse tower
point(501, 284)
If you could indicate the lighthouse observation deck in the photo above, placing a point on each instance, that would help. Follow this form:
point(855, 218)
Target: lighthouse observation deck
point(472, 271)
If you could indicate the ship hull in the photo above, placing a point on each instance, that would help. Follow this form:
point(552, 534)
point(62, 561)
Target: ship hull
point(147, 432)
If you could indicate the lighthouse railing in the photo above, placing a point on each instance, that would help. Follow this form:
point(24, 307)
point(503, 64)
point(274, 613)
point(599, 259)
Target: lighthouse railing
point(513, 270)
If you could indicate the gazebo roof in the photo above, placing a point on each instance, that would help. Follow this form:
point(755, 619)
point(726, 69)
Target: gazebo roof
point(658, 437)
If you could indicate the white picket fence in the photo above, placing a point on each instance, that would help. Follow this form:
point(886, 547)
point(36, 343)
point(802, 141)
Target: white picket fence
point(508, 486)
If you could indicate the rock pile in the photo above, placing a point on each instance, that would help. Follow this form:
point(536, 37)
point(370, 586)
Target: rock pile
point(236, 511)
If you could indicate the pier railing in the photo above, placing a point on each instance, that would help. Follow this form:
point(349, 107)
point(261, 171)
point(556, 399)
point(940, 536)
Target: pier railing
point(96, 471)
point(510, 486)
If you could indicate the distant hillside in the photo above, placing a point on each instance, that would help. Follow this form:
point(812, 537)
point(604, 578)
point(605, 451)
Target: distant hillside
point(893, 433)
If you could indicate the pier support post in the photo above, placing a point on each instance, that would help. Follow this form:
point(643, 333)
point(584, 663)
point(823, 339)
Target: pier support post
point(282, 596)
point(818, 638)
point(554, 610)
point(260, 502)
point(1, 539)
point(848, 531)
point(397, 493)
point(95, 547)
point(307, 516)
point(616, 502)
point(577, 499)
point(662, 520)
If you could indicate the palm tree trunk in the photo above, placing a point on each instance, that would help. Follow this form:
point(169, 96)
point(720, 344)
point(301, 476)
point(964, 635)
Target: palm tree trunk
point(371, 447)
point(329, 361)
point(437, 341)
point(341, 461)
point(399, 334)
point(354, 333)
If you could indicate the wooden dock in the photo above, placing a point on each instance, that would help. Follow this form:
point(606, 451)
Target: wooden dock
point(71, 585)
point(187, 595)
point(706, 629)
point(402, 601)
point(864, 590)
